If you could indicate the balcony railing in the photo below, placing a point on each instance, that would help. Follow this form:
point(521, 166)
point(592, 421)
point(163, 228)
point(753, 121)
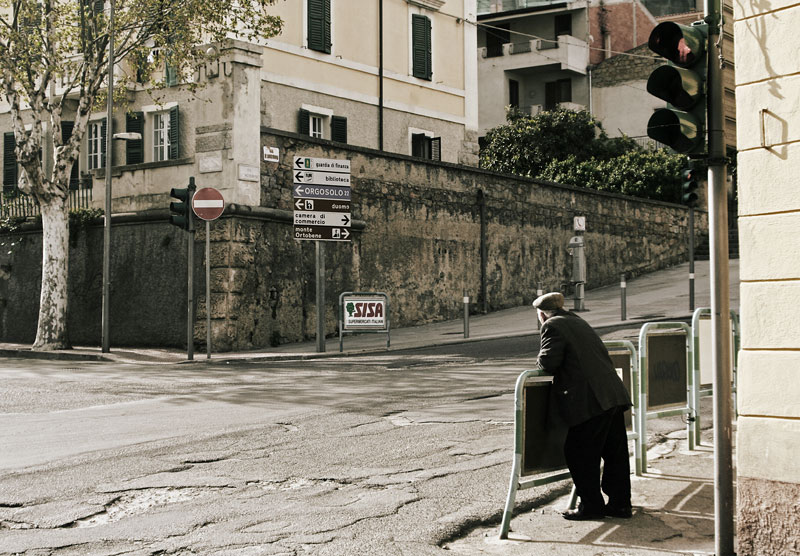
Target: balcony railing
point(497, 6)
point(14, 203)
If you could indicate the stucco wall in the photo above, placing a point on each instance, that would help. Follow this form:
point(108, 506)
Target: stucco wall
point(767, 90)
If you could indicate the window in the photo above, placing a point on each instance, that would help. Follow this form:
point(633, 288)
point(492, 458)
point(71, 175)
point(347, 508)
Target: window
point(421, 47)
point(316, 126)
point(319, 25)
point(165, 135)
point(160, 137)
point(563, 24)
point(320, 123)
point(556, 92)
point(513, 92)
point(9, 162)
point(423, 146)
point(96, 143)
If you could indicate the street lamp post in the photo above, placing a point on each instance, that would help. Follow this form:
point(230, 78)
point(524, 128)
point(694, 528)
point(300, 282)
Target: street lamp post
point(107, 215)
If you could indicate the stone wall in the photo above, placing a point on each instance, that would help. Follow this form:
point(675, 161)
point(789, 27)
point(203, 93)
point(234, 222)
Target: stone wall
point(416, 236)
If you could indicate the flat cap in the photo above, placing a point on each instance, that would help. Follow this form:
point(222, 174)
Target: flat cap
point(549, 301)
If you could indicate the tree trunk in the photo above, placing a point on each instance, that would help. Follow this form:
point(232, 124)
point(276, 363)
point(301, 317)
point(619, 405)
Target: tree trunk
point(51, 332)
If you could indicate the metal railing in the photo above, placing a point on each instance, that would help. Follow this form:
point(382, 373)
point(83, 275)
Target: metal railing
point(14, 203)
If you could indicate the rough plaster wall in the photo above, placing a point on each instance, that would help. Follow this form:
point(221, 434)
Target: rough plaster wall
point(769, 518)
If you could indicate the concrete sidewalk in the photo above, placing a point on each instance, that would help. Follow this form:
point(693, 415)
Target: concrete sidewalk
point(673, 514)
point(660, 295)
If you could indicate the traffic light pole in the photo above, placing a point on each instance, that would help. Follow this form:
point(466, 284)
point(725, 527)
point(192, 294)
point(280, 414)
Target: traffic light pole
point(691, 259)
point(720, 294)
point(190, 294)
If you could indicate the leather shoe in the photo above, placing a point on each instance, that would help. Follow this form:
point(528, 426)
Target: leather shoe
point(624, 512)
point(582, 515)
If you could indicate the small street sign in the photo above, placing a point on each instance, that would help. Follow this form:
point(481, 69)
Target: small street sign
point(321, 164)
point(321, 233)
point(326, 205)
point(208, 203)
point(321, 178)
point(312, 218)
point(341, 193)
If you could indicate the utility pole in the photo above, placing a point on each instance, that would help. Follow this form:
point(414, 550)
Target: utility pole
point(720, 291)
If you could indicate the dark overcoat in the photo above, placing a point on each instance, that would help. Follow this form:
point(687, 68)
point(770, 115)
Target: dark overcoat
point(585, 383)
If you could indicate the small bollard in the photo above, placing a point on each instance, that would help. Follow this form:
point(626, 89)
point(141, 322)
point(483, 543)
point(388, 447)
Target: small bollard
point(466, 315)
point(623, 288)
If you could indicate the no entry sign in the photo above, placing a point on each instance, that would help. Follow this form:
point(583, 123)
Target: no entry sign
point(208, 203)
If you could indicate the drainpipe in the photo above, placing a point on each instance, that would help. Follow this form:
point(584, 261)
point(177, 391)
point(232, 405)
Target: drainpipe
point(591, 103)
point(380, 75)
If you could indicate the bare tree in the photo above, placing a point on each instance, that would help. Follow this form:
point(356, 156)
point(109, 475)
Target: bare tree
point(52, 51)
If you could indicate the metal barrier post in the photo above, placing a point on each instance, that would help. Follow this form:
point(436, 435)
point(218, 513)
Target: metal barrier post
point(690, 409)
point(516, 469)
point(696, 316)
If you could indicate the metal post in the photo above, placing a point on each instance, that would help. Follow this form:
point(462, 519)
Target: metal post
point(104, 324)
point(623, 288)
point(691, 258)
point(208, 289)
point(720, 294)
point(320, 297)
point(466, 315)
point(190, 277)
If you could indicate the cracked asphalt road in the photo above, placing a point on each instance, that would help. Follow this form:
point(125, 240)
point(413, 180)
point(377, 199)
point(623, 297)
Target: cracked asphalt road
point(392, 454)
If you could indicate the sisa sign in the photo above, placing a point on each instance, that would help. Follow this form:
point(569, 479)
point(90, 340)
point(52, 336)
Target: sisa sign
point(364, 313)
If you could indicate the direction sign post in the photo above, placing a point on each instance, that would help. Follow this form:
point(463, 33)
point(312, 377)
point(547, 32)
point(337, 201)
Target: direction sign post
point(208, 204)
point(321, 191)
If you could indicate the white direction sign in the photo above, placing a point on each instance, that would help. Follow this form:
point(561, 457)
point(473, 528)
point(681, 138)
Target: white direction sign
point(313, 218)
point(322, 198)
point(320, 178)
point(321, 164)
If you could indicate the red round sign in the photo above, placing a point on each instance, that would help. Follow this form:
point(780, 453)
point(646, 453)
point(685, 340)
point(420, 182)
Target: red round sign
point(208, 203)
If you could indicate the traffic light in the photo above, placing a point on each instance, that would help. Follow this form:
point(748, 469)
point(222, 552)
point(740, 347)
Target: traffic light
point(182, 211)
point(682, 84)
point(689, 185)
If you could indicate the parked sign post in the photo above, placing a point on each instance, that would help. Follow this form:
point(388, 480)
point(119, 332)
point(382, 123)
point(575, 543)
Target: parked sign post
point(208, 204)
point(321, 191)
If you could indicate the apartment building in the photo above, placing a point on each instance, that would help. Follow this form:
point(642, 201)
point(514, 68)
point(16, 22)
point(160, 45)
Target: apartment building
point(536, 54)
point(393, 75)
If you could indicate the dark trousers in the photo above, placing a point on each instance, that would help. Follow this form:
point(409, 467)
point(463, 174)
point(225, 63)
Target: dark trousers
point(603, 437)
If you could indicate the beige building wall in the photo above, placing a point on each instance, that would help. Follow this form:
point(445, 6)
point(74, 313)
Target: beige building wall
point(768, 120)
point(347, 81)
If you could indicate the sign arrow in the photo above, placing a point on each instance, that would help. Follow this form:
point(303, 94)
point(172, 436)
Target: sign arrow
point(299, 176)
point(345, 220)
point(345, 233)
point(299, 162)
point(299, 190)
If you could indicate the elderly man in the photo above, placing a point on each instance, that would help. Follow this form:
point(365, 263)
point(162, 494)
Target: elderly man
point(592, 401)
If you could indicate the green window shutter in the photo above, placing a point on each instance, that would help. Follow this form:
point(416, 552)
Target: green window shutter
point(339, 129)
point(99, 6)
point(319, 25)
point(103, 142)
point(134, 150)
point(302, 122)
point(171, 73)
point(9, 162)
point(436, 148)
point(174, 134)
point(421, 46)
point(66, 133)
